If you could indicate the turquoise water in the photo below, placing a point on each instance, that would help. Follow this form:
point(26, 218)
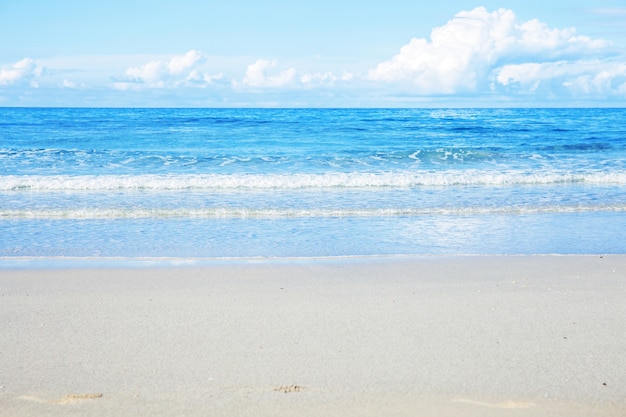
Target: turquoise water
point(310, 182)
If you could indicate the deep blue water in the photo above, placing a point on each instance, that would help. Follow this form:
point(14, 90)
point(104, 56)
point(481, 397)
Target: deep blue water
point(310, 182)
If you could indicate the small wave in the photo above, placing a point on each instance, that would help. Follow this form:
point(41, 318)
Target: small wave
point(218, 182)
point(243, 213)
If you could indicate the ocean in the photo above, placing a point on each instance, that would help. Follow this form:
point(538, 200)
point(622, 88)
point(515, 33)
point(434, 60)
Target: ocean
point(181, 184)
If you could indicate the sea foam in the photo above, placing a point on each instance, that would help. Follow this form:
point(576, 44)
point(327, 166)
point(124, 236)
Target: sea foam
point(303, 181)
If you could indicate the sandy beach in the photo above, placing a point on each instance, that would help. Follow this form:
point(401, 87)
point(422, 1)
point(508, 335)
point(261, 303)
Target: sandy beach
point(388, 336)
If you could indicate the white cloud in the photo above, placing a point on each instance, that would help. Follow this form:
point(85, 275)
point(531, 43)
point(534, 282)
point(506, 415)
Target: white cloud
point(264, 73)
point(257, 75)
point(68, 84)
point(179, 64)
point(327, 78)
point(202, 79)
point(178, 71)
point(464, 54)
point(584, 77)
point(318, 77)
point(25, 70)
point(152, 73)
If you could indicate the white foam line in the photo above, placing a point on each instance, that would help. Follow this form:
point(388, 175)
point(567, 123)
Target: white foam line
point(401, 179)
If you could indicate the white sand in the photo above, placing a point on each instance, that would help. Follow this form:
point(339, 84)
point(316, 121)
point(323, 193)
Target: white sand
point(414, 336)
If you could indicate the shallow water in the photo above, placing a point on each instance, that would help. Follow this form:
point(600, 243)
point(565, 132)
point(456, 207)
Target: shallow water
point(311, 182)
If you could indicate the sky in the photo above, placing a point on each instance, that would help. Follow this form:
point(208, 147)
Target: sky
point(323, 53)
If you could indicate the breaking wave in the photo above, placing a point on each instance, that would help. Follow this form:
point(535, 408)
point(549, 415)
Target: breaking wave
point(218, 182)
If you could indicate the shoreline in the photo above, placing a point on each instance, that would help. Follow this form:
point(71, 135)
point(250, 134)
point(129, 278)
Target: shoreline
point(432, 335)
point(89, 262)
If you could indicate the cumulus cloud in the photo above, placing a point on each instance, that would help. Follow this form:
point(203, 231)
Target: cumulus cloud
point(259, 74)
point(24, 71)
point(178, 71)
point(478, 49)
point(179, 64)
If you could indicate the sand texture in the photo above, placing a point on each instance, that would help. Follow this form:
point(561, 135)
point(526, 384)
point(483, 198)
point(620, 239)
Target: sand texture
point(396, 336)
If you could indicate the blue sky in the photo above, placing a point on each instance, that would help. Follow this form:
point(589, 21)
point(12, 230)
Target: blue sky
point(280, 53)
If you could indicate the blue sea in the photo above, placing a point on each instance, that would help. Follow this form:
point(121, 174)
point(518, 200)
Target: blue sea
point(240, 183)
